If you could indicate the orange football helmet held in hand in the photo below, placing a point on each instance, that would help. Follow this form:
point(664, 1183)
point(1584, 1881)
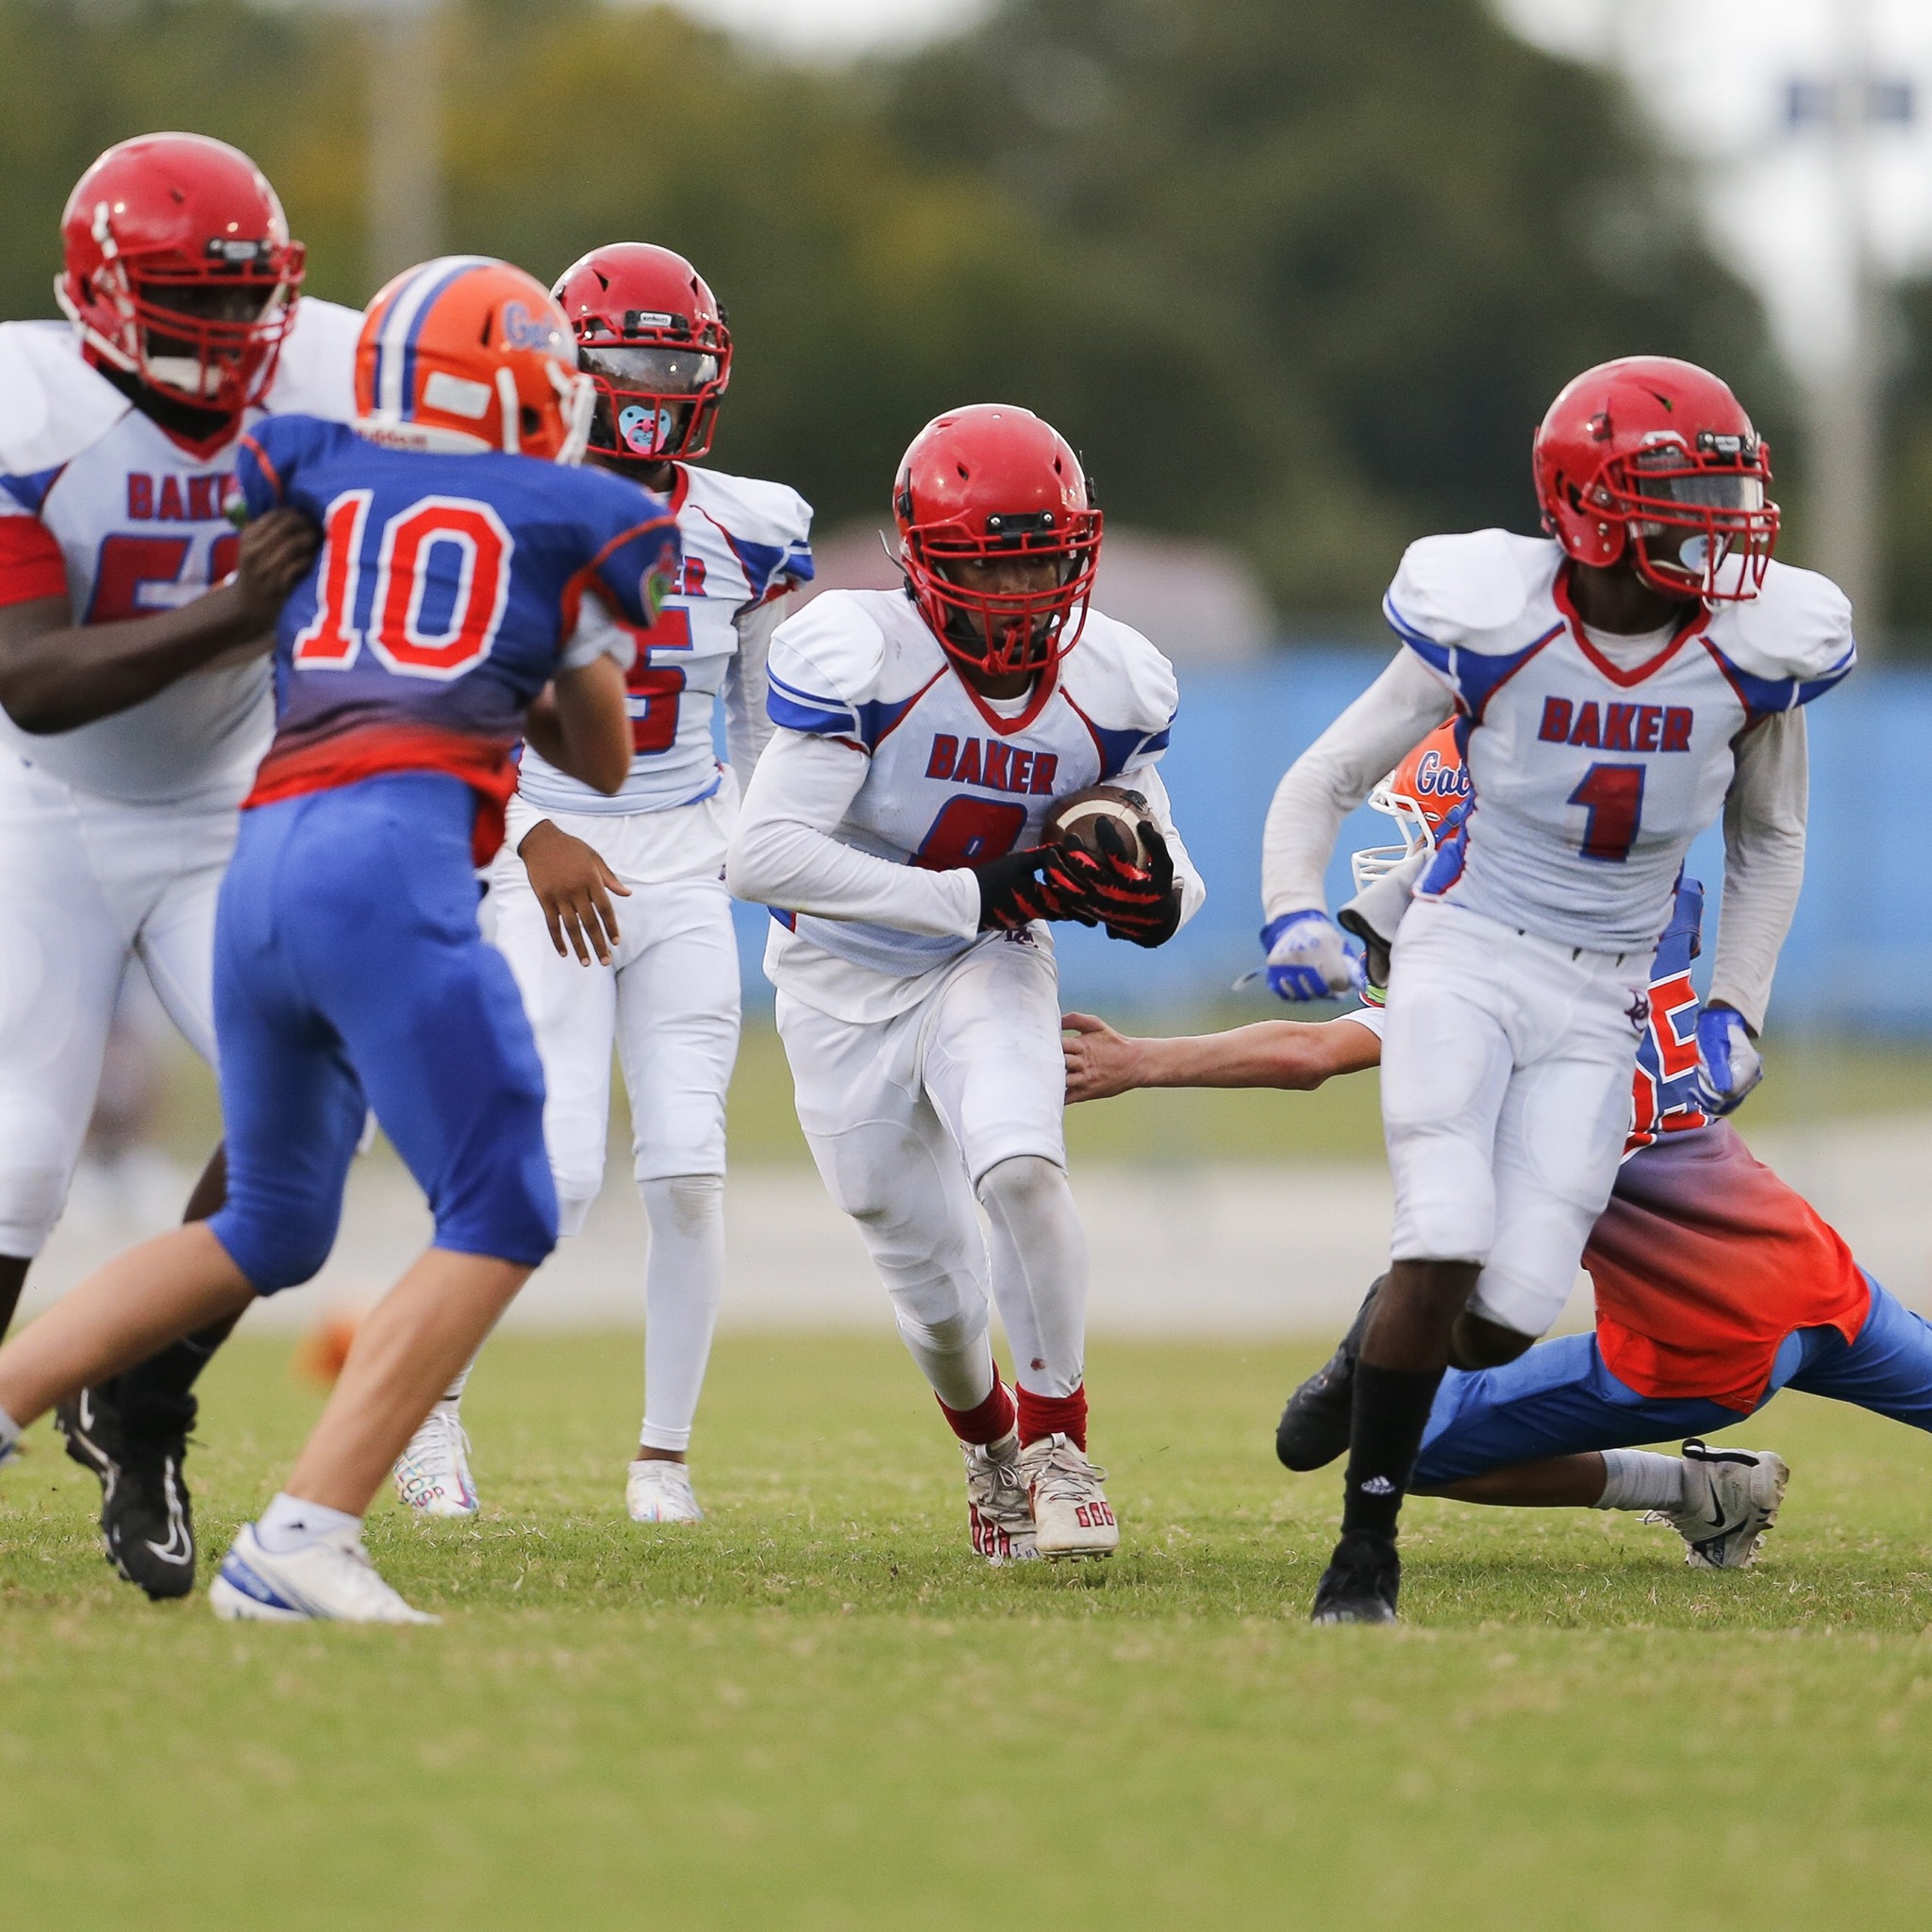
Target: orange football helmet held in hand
point(1656, 459)
point(1420, 794)
point(467, 353)
point(178, 269)
point(989, 485)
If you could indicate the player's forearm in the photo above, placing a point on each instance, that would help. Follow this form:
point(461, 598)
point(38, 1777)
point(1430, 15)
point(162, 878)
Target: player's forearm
point(70, 675)
point(1273, 1053)
point(1336, 773)
point(748, 726)
point(1764, 862)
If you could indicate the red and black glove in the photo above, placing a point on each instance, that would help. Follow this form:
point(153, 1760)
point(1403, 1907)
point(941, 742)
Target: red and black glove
point(1134, 900)
point(1020, 887)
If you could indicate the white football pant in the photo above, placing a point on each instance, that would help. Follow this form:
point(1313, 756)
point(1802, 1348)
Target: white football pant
point(1507, 1062)
point(911, 1119)
point(88, 884)
point(668, 1004)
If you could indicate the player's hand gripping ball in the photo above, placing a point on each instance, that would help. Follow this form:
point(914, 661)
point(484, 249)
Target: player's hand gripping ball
point(1307, 958)
point(1113, 853)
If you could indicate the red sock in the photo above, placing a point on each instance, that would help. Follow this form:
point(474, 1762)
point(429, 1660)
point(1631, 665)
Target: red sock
point(1053, 1415)
point(987, 1423)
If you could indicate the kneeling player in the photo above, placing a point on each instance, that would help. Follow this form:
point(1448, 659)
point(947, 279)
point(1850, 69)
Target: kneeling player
point(658, 983)
point(455, 581)
point(893, 829)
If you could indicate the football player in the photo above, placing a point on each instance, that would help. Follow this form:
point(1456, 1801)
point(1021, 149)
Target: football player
point(1616, 684)
point(893, 827)
point(1715, 1284)
point(456, 604)
point(658, 982)
point(120, 776)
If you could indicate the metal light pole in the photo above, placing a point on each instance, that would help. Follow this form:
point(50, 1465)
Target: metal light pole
point(405, 151)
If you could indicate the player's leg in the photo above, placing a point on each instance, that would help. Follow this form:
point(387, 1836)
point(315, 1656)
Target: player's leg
point(993, 1071)
point(1887, 1368)
point(890, 1163)
point(678, 1023)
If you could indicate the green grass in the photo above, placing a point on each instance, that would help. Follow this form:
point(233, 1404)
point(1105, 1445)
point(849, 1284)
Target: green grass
point(818, 1712)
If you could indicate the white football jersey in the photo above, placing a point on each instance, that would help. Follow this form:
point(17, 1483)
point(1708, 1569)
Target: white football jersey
point(953, 780)
point(1590, 780)
point(745, 544)
point(139, 524)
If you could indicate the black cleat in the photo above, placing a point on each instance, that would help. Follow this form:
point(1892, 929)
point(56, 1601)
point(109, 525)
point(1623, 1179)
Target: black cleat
point(1313, 1429)
point(147, 1520)
point(1360, 1583)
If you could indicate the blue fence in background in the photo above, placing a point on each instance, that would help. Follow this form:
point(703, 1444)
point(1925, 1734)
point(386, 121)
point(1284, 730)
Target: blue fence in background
point(1858, 959)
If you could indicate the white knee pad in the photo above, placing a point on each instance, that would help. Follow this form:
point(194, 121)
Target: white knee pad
point(573, 1205)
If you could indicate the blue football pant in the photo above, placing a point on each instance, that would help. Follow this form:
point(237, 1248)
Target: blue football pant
point(350, 974)
point(1559, 1399)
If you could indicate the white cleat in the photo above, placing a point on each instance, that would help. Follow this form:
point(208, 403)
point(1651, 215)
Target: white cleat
point(1071, 1516)
point(1731, 1499)
point(999, 1512)
point(659, 1492)
point(433, 1472)
point(329, 1580)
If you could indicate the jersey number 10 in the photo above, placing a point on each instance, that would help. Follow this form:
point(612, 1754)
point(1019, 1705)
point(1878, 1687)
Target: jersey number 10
point(469, 534)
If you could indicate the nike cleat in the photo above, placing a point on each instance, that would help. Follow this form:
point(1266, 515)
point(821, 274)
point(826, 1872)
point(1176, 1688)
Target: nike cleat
point(1732, 1498)
point(999, 1511)
point(328, 1580)
point(147, 1519)
point(1313, 1429)
point(1071, 1516)
point(1360, 1584)
point(433, 1472)
point(659, 1492)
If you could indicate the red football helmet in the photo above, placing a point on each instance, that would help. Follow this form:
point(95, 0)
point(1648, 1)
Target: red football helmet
point(466, 353)
point(179, 268)
point(651, 336)
point(982, 484)
point(1421, 792)
point(1648, 448)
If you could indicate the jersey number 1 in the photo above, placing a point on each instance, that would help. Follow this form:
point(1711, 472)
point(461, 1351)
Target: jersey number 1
point(1612, 796)
point(482, 549)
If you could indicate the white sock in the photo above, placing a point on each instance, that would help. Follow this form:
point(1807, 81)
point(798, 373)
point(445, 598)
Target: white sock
point(289, 1522)
point(453, 1395)
point(1641, 1479)
point(9, 1435)
point(684, 1282)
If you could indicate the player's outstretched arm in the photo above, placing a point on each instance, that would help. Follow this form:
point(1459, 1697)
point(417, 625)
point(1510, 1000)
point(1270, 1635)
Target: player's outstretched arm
point(57, 675)
point(1275, 1053)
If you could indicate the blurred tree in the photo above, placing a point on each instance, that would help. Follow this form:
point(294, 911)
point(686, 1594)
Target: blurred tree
point(1298, 275)
point(1907, 542)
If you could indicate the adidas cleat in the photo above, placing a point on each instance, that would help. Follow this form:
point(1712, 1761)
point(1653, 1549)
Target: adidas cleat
point(1360, 1584)
point(1313, 1429)
point(329, 1580)
point(999, 1511)
point(433, 1472)
point(147, 1520)
point(1732, 1498)
point(659, 1492)
point(1071, 1516)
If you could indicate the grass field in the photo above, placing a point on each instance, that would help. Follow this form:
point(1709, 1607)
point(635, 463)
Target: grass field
point(820, 1712)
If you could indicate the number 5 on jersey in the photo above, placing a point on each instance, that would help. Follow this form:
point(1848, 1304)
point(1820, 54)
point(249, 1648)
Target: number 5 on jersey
point(471, 536)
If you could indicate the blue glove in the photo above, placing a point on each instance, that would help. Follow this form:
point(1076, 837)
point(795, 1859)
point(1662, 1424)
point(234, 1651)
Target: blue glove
point(1307, 959)
point(1728, 1064)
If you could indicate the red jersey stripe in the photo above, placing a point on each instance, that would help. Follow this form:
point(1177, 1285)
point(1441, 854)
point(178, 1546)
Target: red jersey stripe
point(31, 566)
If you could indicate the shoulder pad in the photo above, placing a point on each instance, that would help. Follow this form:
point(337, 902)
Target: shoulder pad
point(749, 507)
point(1121, 679)
point(826, 664)
point(1471, 592)
point(52, 403)
point(316, 373)
point(1798, 626)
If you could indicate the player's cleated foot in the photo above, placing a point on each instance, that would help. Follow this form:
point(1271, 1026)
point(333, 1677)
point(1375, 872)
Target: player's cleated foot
point(147, 1520)
point(1071, 1516)
point(1731, 1499)
point(999, 1511)
point(1360, 1584)
point(433, 1472)
point(329, 1580)
point(659, 1492)
point(1313, 1429)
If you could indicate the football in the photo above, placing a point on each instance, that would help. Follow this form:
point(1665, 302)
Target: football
point(1075, 819)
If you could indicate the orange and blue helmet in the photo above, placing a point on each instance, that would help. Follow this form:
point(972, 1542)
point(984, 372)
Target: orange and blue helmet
point(1426, 795)
point(467, 353)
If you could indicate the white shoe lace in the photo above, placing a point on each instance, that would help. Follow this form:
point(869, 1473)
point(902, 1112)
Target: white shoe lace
point(1062, 1474)
point(438, 1458)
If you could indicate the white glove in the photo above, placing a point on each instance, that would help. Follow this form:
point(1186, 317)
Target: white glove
point(1307, 959)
